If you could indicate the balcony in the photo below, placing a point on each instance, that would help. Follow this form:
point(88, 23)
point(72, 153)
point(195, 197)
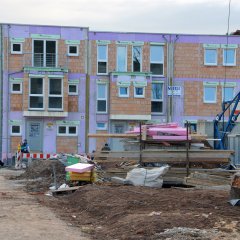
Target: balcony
point(45, 61)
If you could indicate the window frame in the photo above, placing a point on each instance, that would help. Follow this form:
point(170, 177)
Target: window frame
point(17, 52)
point(140, 59)
point(45, 53)
point(207, 63)
point(117, 67)
point(123, 95)
point(101, 128)
point(55, 95)
point(139, 96)
point(157, 62)
point(16, 92)
point(223, 92)
point(67, 131)
point(158, 100)
point(77, 50)
point(102, 60)
point(207, 101)
point(16, 134)
point(36, 95)
point(102, 99)
point(73, 93)
point(235, 55)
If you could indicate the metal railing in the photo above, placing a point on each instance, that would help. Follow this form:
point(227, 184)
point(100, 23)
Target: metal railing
point(50, 60)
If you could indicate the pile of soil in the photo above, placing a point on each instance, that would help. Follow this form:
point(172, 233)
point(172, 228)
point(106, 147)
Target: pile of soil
point(40, 175)
point(127, 212)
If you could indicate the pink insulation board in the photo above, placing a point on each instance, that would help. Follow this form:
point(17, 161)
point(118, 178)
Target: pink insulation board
point(79, 167)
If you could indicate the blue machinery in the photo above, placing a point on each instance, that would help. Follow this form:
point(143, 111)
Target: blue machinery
point(220, 132)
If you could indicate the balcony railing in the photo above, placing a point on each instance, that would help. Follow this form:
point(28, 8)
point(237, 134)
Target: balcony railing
point(49, 60)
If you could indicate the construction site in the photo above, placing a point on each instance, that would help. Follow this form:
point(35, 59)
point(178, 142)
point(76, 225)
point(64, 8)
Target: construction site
point(118, 135)
point(167, 184)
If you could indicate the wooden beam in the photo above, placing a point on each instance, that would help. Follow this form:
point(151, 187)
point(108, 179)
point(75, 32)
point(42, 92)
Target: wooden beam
point(111, 135)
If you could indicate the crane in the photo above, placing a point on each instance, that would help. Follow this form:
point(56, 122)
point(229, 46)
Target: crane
point(221, 133)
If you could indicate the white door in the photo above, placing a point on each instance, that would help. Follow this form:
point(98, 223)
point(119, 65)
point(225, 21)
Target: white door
point(35, 135)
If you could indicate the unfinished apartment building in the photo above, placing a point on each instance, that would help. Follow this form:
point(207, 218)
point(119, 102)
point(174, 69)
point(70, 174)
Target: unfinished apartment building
point(61, 83)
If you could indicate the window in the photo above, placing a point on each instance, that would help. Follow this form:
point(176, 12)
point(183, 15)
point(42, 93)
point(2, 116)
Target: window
point(72, 89)
point(36, 93)
point(73, 50)
point(121, 59)
point(210, 57)
point(55, 98)
point(123, 91)
point(102, 59)
point(157, 97)
point(139, 92)
point(16, 130)
point(156, 60)
point(16, 88)
point(67, 131)
point(229, 57)
point(16, 48)
point(101, 126)
point(227, 93)
point(137, 59)
point(44, 53)
point(101, 98)
point(210, 94)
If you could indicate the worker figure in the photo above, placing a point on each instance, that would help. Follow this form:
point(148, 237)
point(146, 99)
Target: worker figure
point(25, 147)
point(106, 148)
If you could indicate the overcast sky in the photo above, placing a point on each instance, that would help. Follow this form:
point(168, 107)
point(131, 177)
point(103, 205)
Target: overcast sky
point(162, 16)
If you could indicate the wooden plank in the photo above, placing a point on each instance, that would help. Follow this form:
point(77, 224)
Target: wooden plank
point(111, 135)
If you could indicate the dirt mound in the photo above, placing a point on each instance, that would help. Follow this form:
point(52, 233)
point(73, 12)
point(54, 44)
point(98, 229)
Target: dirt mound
point(127, 212)
point(40, 175)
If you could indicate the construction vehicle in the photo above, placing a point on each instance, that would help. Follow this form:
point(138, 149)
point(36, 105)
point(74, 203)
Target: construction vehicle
point(222, 128)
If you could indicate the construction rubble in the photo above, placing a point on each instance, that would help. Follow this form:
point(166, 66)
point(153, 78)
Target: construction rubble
point(153, 193)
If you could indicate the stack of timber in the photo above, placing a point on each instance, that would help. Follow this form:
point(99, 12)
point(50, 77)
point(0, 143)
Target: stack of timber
point(211, 178)
point(170, 157)
point(119, 163)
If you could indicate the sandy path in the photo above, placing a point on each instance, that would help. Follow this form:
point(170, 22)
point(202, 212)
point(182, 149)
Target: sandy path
point(22, 217)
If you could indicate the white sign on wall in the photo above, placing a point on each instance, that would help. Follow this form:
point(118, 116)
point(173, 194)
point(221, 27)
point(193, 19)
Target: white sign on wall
point(174, 90)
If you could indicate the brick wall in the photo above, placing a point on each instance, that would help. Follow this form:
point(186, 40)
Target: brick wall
point(130, 105)
point(14, 143)
point(67, 145)
point(193, 100)
point(73, 103)
point(189, 63)
point(16, 102)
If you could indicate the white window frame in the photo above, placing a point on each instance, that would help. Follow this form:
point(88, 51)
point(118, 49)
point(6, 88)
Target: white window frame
point(73, 54)
point(141, 57)
point(16, 92)
point(158, 100)
point(102, 60)
point(123, 95)
point(16, 52)
point(139, 96)
point(125, 70)
point(205, 60)
point(44, 52)
point(157, 62)
point(36, 95)
point(67, 130)
point(55, 95)
point(73, 93)
point(223, 92)
point(16, 134)
point(102, 99)
point(101, 128)
point(207, 101)
point(229, 64)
